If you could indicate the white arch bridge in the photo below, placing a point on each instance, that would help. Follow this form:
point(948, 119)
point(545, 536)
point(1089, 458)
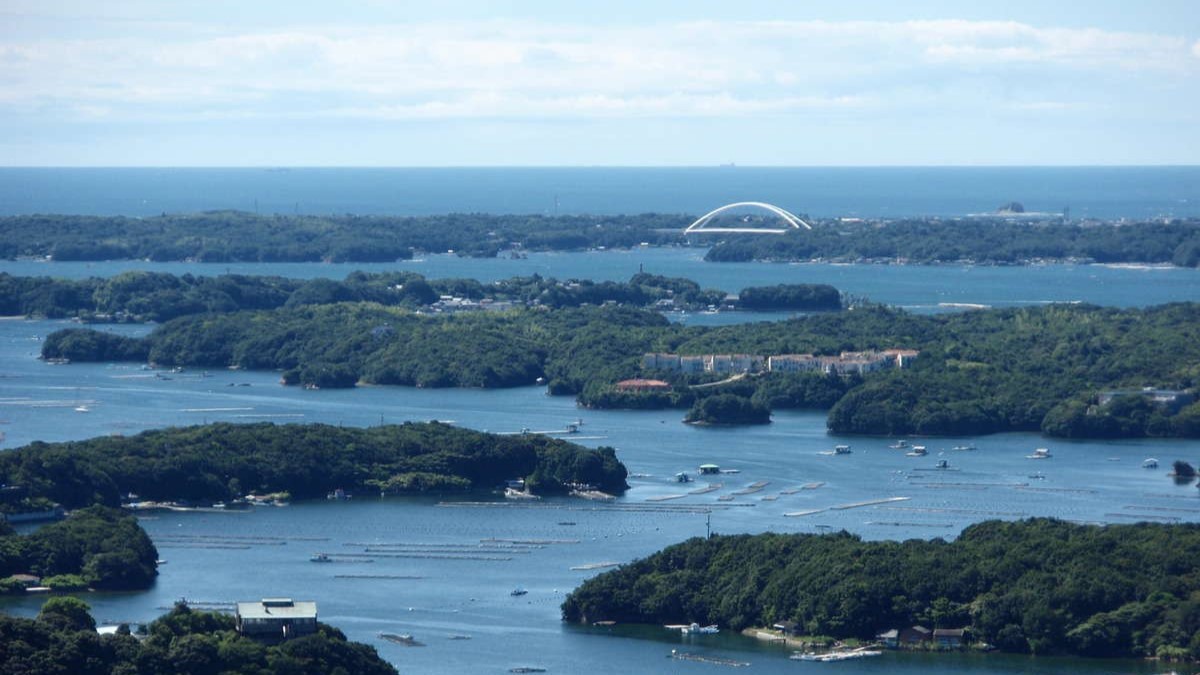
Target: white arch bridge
point(792, 222)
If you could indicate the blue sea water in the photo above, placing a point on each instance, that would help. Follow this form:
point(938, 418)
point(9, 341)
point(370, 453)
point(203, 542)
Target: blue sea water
point(1102, 192)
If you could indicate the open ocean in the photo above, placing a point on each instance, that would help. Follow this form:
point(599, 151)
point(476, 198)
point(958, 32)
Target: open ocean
point(1101, 192)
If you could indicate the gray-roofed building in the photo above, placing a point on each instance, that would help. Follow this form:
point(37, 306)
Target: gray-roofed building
point(276, 617)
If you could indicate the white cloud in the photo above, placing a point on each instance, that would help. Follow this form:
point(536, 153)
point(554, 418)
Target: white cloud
point(507, 69)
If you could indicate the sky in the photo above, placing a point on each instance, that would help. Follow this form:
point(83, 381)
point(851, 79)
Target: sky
point(616, 83)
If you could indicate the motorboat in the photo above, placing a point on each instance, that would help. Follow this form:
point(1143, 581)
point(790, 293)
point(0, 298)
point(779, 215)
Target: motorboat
point(1040, 453)
point(942, 464)
point(917, 451)
point(961, 448)
point(321, 558)
point(697, 629)
point(1150, 463)
point(899, 445)
point(841, 450)
point(518, 591)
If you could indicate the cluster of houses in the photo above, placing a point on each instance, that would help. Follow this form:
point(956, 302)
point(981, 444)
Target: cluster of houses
point(920, 637)
point(449, 304)
point(845, 363)
point(915, 637)
point(1171, 400)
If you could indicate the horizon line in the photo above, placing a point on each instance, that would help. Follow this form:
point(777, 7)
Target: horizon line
point(602, 166)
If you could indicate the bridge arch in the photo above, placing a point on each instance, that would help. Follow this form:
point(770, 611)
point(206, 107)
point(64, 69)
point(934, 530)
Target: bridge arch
point(793, 221)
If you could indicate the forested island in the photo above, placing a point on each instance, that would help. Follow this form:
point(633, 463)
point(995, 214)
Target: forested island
point(1038, 586)
point(236, 236)
point(221, 462)
point(63, 640)
point(982, 241)
point(95, 547)
point(1049, 369)
point(157, 296)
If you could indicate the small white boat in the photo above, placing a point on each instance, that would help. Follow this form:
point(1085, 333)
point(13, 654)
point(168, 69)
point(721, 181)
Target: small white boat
point(1150, 463)
point(917, 451)
point(961, 448)
point(321, 558)
point(511, 493)
point(697, 629)
point(942, 464)
point(518, 592)
point(1040, 453)
point(82, 408)
point(841, 449)
point(899, 445)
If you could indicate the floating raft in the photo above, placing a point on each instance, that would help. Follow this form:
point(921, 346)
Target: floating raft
point(595, 566)
point(712, 487)
point(752, 488)
point(844, 507)
point(665, 498)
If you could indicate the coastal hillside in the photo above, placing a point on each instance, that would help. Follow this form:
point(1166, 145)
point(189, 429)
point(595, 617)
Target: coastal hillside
point(63, 639)
point(238, 236)
point(1066, 370)
point(220, 462)
point(1002, 241)
point(95, 547)
point(1038, 586)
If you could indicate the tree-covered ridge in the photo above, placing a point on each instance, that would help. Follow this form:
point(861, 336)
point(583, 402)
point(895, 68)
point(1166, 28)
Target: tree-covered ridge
point(332, 345)
point(63, 641)
point(983, 241)
point(1039, 585)
point(234, 236)
point(157, 296)
point(224, 461)
point(96, 547)
point(1025, 369)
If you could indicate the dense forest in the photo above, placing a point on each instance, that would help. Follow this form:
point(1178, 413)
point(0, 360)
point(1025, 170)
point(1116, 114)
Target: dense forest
point(95, 547)
point(156, 296)
point(234, 236)
point(62, 640)
point(1042, 586)
point(983, 241)
point(206, 464)
point(1025, 369)
point(724, 409)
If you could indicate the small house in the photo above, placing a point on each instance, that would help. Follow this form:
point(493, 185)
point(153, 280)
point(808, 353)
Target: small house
point(914, 637)
point(786, 627)
point(889, 639)
point(276, 618)
point(948, 638)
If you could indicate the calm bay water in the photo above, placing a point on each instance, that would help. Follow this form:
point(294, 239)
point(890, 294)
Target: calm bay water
point(1084, 481)
point(1104, 192)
